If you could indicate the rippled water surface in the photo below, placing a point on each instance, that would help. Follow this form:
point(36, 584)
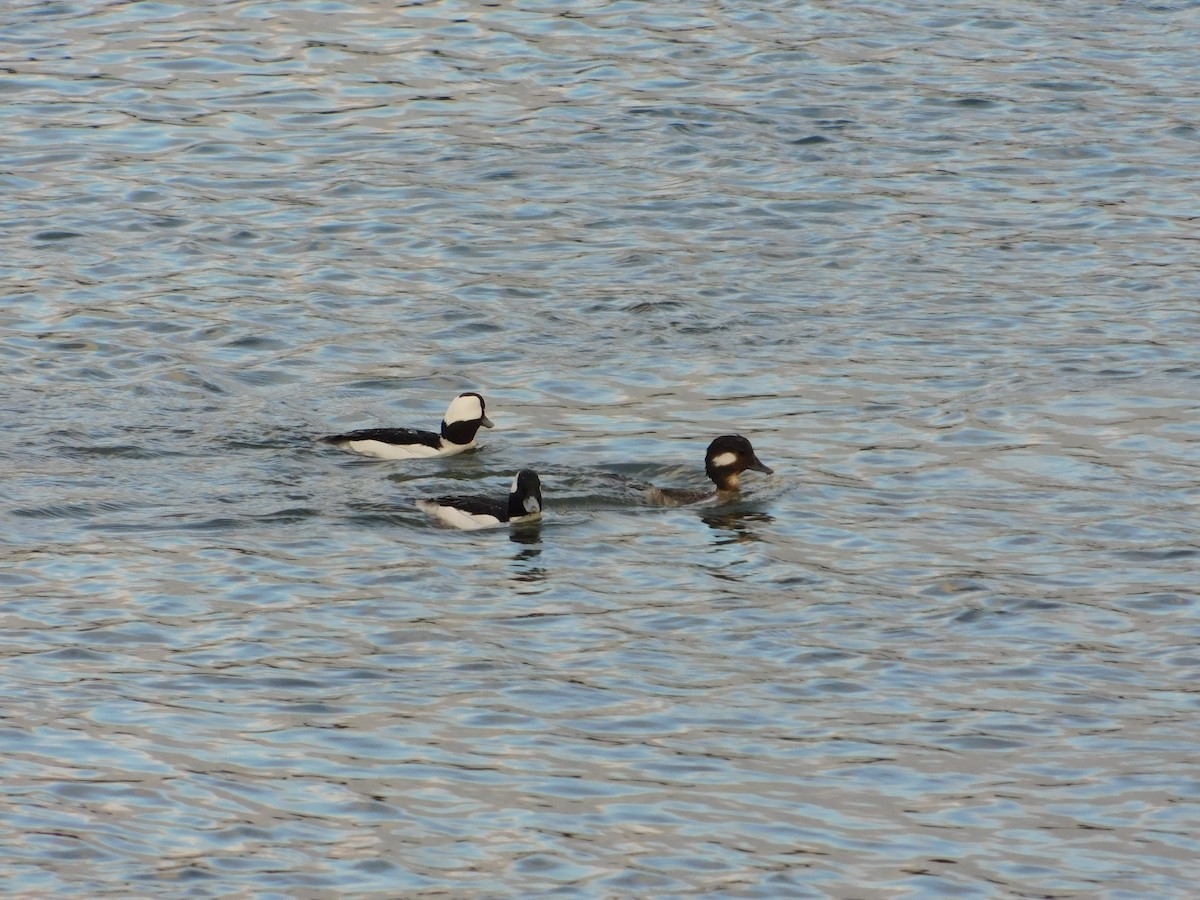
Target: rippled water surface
point(937, 261)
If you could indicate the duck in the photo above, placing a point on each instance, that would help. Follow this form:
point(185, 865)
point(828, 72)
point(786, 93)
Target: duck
point(470, 513)
point(462, 420)
point(726, 459)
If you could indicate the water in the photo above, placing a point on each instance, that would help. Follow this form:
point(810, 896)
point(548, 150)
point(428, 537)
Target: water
point(937, 262)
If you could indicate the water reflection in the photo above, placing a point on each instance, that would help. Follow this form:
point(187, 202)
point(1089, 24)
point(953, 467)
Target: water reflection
point(530, 537)
point(735, 525)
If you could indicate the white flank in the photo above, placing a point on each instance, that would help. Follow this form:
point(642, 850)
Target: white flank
point(452, 515)
point(463, 409)
point(721, 460)
point(404, 451)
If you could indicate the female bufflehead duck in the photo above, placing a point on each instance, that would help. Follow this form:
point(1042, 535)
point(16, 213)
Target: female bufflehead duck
point(524, 504)
point(462, 420)
point(727, 457)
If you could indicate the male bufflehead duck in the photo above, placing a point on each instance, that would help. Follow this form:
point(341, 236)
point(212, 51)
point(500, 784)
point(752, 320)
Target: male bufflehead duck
point(727, 457)
point(462, 420)
point(524, 504)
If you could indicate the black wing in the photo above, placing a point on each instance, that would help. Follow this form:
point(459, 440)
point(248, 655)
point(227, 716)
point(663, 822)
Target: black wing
point(388, 436)
point(477, 506)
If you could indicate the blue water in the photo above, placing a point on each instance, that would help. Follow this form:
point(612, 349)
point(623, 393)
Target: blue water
point(936, 262)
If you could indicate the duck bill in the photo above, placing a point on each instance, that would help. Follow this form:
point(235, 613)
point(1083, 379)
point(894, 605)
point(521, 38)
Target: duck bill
point(759, 466)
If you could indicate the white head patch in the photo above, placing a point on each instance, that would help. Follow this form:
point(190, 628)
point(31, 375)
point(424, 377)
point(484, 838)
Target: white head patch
point(465, 408)
point(721, 460)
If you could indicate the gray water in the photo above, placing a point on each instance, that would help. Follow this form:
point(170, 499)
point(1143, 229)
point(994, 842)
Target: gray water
point(937, 261)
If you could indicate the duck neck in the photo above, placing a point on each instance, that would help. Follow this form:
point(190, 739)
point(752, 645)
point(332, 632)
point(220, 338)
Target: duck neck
point(726, 480)
point(460, 433)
